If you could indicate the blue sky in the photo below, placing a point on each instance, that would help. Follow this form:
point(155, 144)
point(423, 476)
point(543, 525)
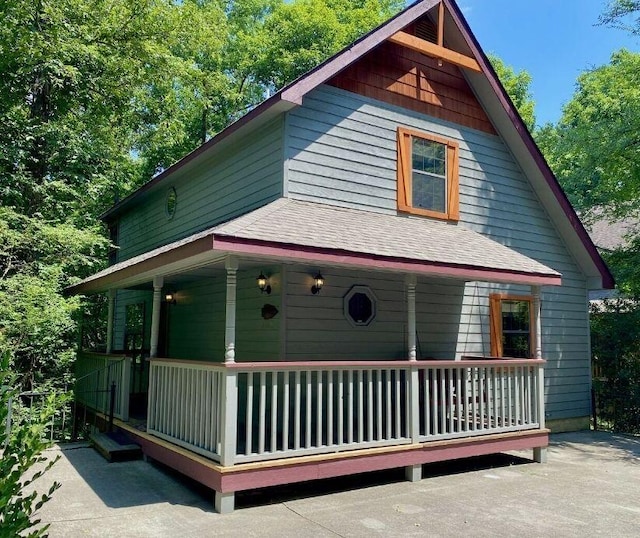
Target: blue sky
point(554, 40)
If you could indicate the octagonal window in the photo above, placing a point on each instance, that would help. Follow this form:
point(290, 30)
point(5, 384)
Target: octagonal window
point(360, 306)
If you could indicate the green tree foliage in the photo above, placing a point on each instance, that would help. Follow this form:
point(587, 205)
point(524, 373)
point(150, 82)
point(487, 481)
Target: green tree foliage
point(518, 87)
point(21, 461)
point(300, 35)
point(99, 95)
point(623, 14)
point(616, 354)
point(594, 149)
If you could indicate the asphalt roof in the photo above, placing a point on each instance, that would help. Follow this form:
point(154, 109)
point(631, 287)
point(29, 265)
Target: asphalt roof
point(300, 230)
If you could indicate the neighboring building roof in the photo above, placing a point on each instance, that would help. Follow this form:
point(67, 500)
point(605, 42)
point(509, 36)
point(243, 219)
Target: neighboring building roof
point(293, 94)
point(311, 232)
point(609, 234)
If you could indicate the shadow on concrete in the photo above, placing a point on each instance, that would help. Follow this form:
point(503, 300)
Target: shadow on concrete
point(594, 444)
point(127, 484)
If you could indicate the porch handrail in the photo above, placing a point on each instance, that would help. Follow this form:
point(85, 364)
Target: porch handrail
point(113, 362)
point(120, 359)
point(252, 411)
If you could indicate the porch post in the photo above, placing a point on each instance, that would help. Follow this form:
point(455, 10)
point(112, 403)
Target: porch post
point(411, 317)
point(158, 282)
point(413, 473)
point(230, 318)
point(540, 453)
point(537, 322)
point(110, 308)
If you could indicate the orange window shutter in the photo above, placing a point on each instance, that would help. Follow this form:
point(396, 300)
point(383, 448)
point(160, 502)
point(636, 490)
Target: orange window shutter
point(495, 320)
point(404, 170)
point(454, 183)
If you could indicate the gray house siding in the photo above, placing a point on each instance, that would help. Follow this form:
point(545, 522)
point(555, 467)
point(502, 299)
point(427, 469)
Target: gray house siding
point(341, 149)
point(242, 178)
point(196, 322)
point(196, 325)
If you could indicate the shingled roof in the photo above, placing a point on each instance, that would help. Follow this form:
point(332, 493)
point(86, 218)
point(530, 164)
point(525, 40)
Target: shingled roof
point(312, 232)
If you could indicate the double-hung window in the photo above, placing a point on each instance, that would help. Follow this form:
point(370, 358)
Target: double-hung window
point(427, 175)
point(511, 326)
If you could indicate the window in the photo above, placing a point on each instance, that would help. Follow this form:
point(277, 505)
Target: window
point(427, 175)
point(360, 306)
point(171, 202)
point(511, 324)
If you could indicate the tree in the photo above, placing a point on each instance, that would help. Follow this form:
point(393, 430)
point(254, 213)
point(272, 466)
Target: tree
point(96, 97)
point(617, 15)
point(594, 149)
point(518, 87)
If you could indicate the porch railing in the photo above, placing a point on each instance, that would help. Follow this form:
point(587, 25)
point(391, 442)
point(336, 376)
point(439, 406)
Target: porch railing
point(256, 411)
point(95, 375)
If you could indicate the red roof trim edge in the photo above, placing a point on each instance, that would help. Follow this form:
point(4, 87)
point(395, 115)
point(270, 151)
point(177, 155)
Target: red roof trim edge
point(608, 281)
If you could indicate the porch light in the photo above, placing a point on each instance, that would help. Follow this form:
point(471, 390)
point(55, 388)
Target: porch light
point(170, 297)
point(262, 284)
point(318, 282)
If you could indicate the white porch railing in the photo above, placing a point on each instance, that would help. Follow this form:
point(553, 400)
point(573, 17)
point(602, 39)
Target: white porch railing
point(256, 411)
point(95, 374)
point(186, 403)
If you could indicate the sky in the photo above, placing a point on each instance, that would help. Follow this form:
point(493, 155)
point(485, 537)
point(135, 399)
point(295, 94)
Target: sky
point(554, 40)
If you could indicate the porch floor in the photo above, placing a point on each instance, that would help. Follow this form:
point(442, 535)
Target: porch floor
point(246, 476)
point(592, 476)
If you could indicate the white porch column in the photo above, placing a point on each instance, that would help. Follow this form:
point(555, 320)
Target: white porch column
point(540, 453)
point(110, 308)
point(230, 318)
point(158, 282)
point(411, 316)
point(537, 321)
point(413, 473)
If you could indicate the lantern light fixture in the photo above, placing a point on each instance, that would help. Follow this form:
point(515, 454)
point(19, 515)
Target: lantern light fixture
point(318, 282)
point(262, 284)
point(170, 297)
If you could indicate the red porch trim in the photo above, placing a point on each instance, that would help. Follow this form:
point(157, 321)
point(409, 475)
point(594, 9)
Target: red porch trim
point(372, 261)
point(434, 451)
point(291, 470)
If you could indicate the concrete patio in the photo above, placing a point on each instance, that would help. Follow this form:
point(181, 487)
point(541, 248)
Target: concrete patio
point(590, 486)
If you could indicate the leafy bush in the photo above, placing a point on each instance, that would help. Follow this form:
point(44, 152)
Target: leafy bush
point(22, 462)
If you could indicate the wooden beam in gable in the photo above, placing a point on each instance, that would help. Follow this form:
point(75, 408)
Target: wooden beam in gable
point(435, 51)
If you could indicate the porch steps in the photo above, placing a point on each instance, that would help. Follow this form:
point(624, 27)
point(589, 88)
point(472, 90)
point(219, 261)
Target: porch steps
point(116, 446)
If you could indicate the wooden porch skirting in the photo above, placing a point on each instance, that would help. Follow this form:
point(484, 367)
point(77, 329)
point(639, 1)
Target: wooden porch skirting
point(300, 469)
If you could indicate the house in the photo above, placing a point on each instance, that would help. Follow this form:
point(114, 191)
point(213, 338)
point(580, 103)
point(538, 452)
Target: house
point(610, 235)
point(374, 268)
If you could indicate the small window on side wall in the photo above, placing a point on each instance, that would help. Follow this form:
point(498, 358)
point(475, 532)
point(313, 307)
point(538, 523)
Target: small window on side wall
point(427, 175)
point(511, 326)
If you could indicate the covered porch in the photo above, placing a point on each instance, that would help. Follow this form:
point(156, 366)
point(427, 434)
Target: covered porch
point(296, 407)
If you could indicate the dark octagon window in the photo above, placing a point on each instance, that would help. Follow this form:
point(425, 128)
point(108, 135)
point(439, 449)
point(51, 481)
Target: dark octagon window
point(360, 306)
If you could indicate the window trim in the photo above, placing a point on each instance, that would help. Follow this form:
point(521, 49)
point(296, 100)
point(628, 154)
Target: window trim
point(495, 321)
point(365, 290)
point(405, 176)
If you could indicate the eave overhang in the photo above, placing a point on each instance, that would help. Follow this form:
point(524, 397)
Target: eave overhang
point(305, 232)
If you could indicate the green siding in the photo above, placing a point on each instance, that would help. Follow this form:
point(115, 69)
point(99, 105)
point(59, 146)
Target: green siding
point(240, 178)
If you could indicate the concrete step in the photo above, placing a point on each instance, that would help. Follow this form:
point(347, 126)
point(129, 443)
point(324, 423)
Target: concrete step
point(116, 446)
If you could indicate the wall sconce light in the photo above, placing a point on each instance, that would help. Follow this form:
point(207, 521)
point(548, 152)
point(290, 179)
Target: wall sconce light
point(318, 282)
point(262, 284)
point(170, 297)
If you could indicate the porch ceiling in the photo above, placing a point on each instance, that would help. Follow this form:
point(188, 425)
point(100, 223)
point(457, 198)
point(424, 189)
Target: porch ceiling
point(305, 232)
